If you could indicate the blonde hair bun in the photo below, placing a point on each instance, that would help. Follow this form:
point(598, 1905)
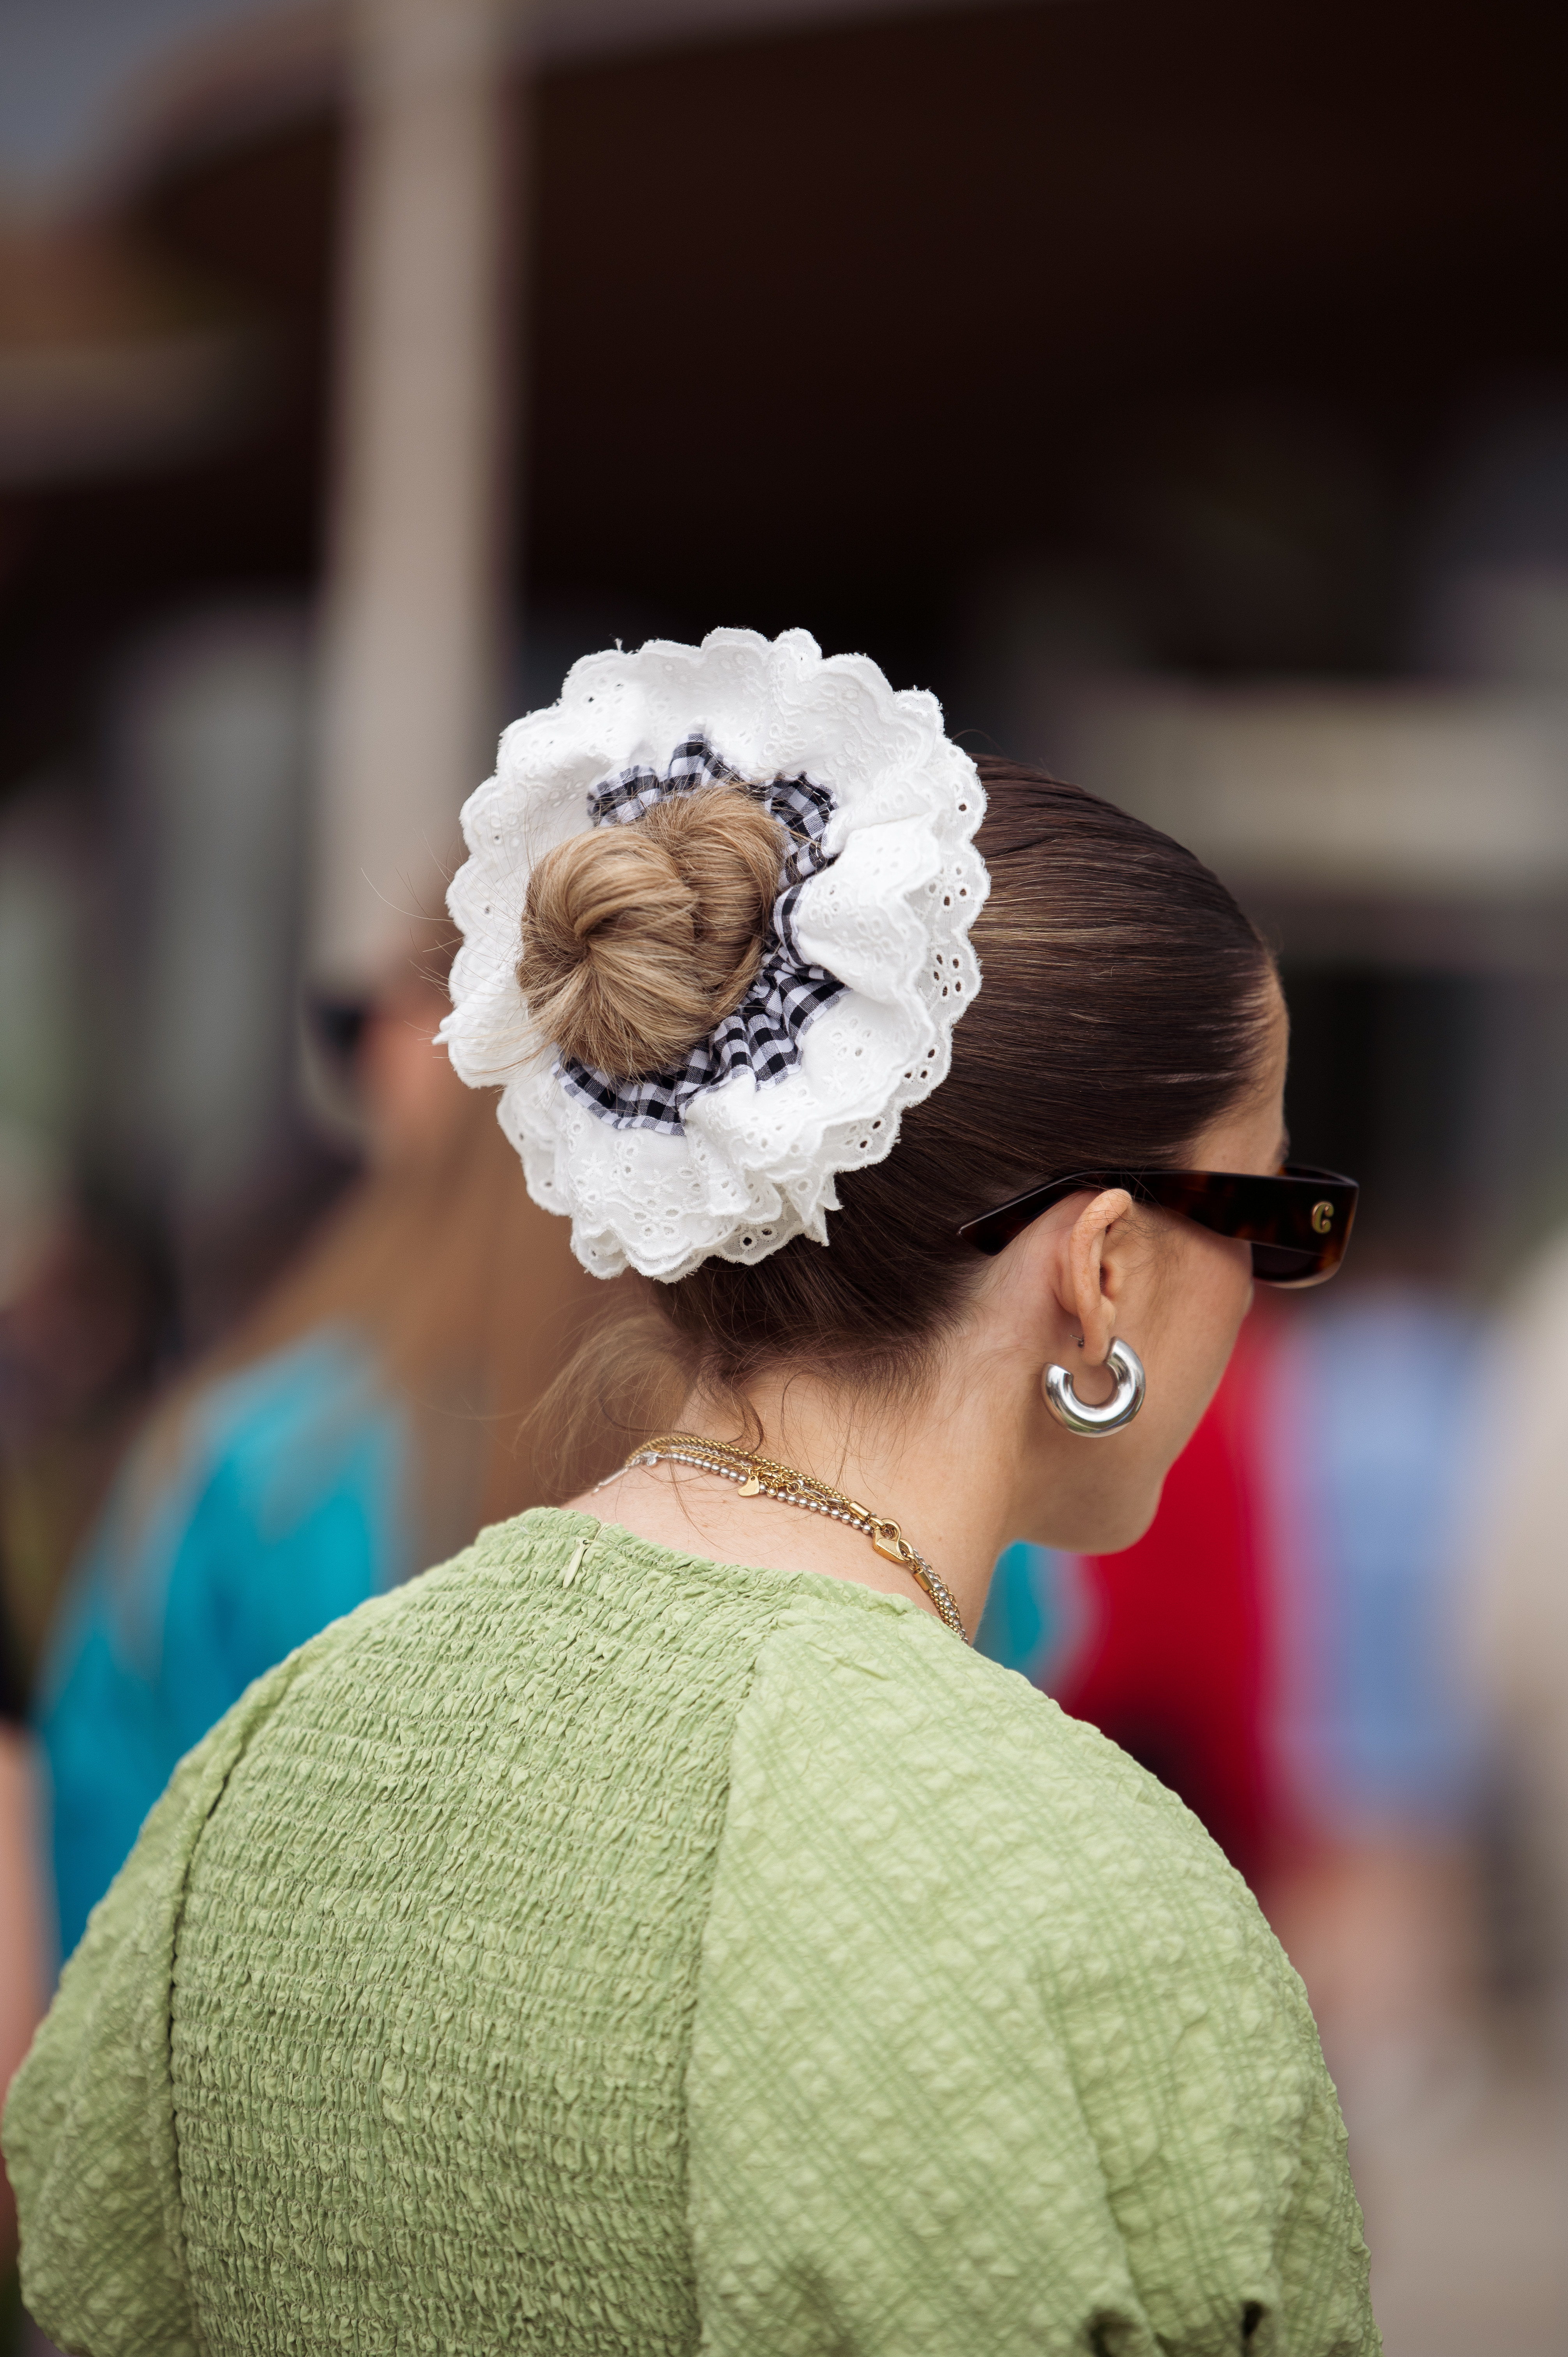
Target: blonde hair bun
point(639, 939)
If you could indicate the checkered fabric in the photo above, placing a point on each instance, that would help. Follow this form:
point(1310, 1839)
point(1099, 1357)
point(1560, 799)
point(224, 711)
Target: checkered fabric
point(762, 1035)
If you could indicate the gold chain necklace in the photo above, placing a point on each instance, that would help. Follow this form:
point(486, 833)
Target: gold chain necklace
point(760, 1477)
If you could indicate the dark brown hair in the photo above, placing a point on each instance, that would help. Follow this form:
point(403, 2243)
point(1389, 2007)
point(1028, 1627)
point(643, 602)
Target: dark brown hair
point(1124, 1006)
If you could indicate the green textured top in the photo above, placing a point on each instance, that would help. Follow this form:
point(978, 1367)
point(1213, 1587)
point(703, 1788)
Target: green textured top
point(591, 1949)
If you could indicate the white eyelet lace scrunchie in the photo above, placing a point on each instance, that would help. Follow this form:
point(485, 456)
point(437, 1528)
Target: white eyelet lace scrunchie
point(867, 967)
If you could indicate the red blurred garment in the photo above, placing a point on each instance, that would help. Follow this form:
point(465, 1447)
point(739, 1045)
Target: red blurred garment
point(1176, 1664)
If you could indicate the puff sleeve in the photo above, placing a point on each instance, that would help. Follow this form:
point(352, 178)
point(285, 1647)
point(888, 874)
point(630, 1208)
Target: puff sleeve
point(993, 2050)
point(90, 2126)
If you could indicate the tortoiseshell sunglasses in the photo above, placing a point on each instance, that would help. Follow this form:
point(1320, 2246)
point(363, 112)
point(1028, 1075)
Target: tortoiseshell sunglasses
point(1298, 1222)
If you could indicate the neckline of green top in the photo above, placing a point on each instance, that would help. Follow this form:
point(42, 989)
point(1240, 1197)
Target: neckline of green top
point(578, 1532)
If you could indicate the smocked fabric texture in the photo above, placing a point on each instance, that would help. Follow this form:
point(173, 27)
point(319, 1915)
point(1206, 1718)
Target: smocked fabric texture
point(762, 1036)
point(753, 1158)
point(588, 1949)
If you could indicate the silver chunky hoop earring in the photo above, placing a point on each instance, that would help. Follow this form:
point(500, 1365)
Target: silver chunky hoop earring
point(1119, 1410)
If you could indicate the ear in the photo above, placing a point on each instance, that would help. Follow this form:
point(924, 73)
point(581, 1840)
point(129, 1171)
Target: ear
point(1091, 1276)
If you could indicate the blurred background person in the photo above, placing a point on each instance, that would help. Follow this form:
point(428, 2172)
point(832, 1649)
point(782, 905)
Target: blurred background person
point(362, 1423)
point(1368, 1449)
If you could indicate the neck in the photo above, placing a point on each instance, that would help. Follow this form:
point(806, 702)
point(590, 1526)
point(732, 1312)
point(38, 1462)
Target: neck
point(938, 1466)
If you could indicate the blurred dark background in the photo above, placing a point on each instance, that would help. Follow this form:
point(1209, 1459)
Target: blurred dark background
point(1027, 347)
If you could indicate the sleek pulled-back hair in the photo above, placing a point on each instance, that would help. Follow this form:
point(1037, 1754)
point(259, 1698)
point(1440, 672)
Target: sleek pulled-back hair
point(1124, 1005)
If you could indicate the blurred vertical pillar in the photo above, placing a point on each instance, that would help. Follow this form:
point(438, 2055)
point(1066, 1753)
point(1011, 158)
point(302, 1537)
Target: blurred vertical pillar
point(426, 361)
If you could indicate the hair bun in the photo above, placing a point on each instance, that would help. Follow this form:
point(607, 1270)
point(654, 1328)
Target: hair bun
point(638, 939)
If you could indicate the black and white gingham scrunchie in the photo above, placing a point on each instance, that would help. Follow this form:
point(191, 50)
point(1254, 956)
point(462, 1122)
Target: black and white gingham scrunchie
point(762, 1035)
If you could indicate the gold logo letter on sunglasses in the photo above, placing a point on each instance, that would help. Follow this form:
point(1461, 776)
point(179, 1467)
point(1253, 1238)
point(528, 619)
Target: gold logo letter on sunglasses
point(1322, 1218)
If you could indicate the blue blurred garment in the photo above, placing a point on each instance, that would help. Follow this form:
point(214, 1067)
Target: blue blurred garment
point(279, 1508)
point(1373, 1415)
point(1024, 1622)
